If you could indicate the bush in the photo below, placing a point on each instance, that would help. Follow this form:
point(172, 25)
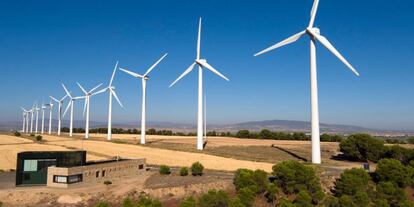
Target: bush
point(399, 153)
point(197, 169)
point(184, 171)
point(391, 193)
point(32, 135)
point(102, 204)
point(146, 201)
point(214, 198)
point(188, 202)
point(292, 176)
point(271, 192)
point(362, 147)
point(243, 133)
point(393, 171)
point(165, 170)
point(107, 182)
point(236, 202)
point(17, 134)
point(246, 196)
point(127, 202)
point(38, 138)
point(352, 181)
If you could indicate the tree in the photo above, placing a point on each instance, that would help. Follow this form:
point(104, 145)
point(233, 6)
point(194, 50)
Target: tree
point(257, 180)
point(303, 199)
point(246, 196)
point(410, 140)
point(265, 134)
point(184, 171)
point(244, 133)
point(214, 198)
point(352, 181)
point(393, 171)
point(151, 131)
point(362, 147)
point(292, 176)
point(391, 193)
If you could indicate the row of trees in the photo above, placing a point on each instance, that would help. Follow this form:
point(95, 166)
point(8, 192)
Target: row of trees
point(364, 147)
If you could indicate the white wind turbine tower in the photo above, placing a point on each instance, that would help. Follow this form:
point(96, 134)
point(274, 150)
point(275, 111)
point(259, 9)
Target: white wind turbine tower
point(314, 34)
point(71, 105)
point(42, 130)
point(111, 91)
point(60, 102)
point(88, 95)
point(50, 116)
point(27, 121)
point(202, 63)
point(144, 79)
point(37, 118)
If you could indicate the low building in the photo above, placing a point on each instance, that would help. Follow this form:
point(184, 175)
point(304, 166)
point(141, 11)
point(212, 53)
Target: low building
point(70, 168)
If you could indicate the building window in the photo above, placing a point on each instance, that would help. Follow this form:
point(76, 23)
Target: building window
point(97, 174)
point(60, 179)
point(103, 173)
point(141, 166)
point(30, 166)
point(75, 178)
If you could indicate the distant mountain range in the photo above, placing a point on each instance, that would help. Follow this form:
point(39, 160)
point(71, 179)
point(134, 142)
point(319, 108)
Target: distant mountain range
point(275, 125)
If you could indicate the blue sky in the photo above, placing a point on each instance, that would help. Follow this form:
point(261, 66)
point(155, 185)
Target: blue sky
point(44, 43)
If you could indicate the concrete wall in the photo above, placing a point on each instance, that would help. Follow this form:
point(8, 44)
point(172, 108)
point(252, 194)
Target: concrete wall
point(98, 172)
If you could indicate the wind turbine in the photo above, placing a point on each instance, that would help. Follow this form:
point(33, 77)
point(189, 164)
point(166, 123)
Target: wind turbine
point(144, 79)
point(50, 115)
point(31, 119)
point(70, 104)
point(202, 63)
point(37, 117)
point(111, 91)
point(27, 121)
point(43, 118)
point(24, 118)
point(60, 102)
point(314, 34)
point(88, 95)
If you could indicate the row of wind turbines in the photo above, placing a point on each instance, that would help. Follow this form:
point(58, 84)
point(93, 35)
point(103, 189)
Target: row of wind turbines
point(311, 31)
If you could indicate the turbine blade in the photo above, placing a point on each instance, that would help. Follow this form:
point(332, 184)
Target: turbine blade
point(155, 64)
point(53, 98)
point(189, 69)
point(209, 67)
point(287, 41)
point(113, 74)
point(313, 13)
point(63, 97)
point(80, 86)
point(66, 90)
point(136, 75)
point(332, 49)
point(199, 39)
point(96, 87)
point(67, 108)
point(100, 91)
point(116, 97)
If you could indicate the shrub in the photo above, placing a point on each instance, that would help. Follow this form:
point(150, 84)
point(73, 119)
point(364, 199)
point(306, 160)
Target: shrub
point(292, 176)
point(393, 171)
point(107, 182)
point(286, 203)
point(17, 134)
point(246, 196)
point(399, 153)
point(236, 202)
point(102, 204)
point(271, 192)
point(165, 170)
point(188, 202)
point(362, 147)
point(38, 138)
point(32, 134)
point(197, 169)
point(184, 171)
point(243, 133)
point(351, 181)
point(214, 198)
point(127, 202)
point(146, 201)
